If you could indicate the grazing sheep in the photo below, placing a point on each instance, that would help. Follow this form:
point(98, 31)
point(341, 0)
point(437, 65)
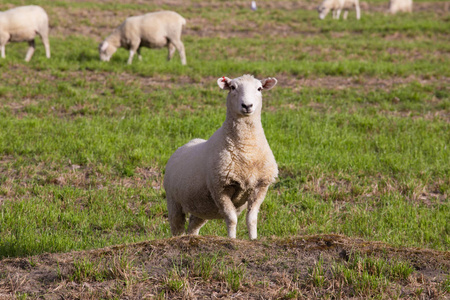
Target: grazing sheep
point(337, 6)
point(220, 177)
point(21, 24)
point(152, 30)
point(396, 6)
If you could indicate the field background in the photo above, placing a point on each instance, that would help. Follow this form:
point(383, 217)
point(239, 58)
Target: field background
point(359, 124)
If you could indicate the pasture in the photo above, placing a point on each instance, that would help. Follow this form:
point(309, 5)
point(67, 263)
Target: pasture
point(359, 124)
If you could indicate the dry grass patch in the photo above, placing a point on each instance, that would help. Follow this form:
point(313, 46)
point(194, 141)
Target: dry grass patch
point(198, 267)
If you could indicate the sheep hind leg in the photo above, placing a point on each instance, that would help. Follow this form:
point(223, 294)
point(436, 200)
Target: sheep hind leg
point(180, 47)
point(195, 224)
point(177, 218)
point(3, 51)
point(45, 41)
point(172, 49)
point(30, 51)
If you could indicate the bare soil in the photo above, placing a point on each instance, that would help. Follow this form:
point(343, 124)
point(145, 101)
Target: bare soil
point(274, 268)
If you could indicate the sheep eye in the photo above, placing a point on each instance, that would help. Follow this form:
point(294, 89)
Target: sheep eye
point(259, 89)
point(233, 87)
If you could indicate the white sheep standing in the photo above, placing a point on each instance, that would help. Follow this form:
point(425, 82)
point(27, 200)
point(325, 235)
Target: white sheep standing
point(396, 6)
point(337, 6)
point(21, 24)
point(152, 30)
point(220, 177)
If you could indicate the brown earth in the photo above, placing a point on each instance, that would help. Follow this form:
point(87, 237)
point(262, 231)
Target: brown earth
point(270, 269)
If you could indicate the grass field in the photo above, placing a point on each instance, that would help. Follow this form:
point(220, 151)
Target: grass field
point(359, 124)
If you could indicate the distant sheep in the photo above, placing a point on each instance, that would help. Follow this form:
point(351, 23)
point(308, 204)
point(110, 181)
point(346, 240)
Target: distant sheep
point(396, 6)
point(337, 6)
point(21, 24)
point(220, 177)
point(152, 30)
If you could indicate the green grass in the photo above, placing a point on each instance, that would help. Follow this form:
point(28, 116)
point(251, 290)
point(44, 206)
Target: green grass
point(83, 143)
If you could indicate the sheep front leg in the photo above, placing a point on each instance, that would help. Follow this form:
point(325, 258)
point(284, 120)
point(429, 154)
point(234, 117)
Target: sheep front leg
point(253, 209)
point(344, 16)
point(130, 58)
point(30, 51)
point(3, 51)
point(338, 13)
point(134, 47)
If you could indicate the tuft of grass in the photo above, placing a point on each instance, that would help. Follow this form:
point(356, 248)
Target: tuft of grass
point(316, 274)
point(234, 276)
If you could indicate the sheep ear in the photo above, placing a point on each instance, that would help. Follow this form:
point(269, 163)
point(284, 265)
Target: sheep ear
point(224, 83)
point(104, 46)
point(268, 83)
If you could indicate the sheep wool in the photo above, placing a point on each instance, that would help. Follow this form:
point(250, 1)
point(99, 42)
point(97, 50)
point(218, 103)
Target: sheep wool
point(336, 6)
point(218, 178)
point(22, 24)
point(396, 6)
point(152, 30)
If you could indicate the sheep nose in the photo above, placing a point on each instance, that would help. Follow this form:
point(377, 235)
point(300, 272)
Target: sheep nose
point(247, 107)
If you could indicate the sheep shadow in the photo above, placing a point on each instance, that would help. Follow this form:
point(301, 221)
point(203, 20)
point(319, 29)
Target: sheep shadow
point(87, 56)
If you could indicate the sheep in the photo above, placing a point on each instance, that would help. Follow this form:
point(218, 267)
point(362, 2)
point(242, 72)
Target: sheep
point(152, 30)
point(231, 171)
point(21, 24)
point(400, 6)
point(337, 6)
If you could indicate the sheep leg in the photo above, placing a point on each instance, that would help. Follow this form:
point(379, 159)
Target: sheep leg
point(130, 58)
point(338, 13)
point(4, 37)
point(44, 36)
point(30, 51)
point(358, 12)
point(227, 209)
point(139, 53)
point(134, 47)
point(47, 47)
point(180, 47)
point(334, 14)
point(344, 16)
point(253, 210)
point(177, 218)
point(195, 224)
point(171, 48)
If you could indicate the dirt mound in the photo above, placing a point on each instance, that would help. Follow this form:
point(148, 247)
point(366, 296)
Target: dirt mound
point(213, 267)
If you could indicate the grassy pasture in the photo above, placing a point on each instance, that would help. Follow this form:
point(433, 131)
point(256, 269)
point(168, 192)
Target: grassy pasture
point(359, 124)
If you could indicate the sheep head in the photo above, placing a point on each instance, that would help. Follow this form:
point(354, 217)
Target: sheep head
point(244, 93)
point(106, 50)
point(324, 9)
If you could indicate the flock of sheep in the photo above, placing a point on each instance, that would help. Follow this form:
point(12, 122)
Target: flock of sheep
point(207, 179)
point(152, 30)
point(336, 6)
